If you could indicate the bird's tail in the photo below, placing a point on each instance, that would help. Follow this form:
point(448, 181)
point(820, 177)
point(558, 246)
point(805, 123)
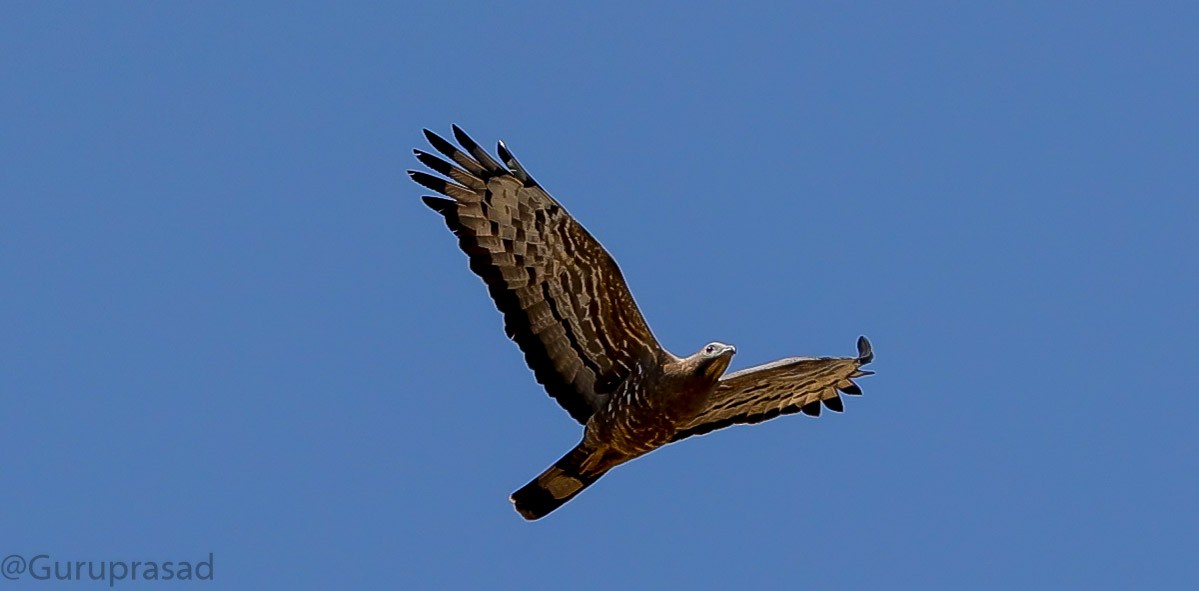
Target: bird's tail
point(574, 472)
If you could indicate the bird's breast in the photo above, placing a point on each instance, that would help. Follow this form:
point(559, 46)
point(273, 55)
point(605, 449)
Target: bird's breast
point(639, 420)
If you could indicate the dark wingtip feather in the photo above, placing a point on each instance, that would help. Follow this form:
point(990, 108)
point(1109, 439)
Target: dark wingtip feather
point(464, 140)
point(865, 351)
point(429, 181)
point(434, 182)
point(438, 142)
point(453, 153)
point(502, 149)
point(477, 151)
point(436, 164)
point(834, 404)
point(514, 165)
point(439, 204)
point(851, 389)
point(812, 409)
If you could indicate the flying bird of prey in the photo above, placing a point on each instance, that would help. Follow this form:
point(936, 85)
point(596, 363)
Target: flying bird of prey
point(567, 307)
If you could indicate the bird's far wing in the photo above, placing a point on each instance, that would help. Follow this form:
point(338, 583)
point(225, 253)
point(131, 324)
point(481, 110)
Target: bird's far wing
point(796, 384)
point(563, 298)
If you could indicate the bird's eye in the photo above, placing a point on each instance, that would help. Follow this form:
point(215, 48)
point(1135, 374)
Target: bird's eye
point(709, 349)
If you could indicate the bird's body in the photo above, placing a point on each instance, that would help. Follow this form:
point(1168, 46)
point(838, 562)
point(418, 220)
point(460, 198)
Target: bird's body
point(648, 408)
point(566, 305)
point(644, 413)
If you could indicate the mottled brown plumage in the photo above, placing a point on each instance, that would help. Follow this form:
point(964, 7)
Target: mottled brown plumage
point(566, 305)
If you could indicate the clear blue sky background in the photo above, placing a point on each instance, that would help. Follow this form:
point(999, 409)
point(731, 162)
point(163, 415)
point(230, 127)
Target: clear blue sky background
point(229, 324)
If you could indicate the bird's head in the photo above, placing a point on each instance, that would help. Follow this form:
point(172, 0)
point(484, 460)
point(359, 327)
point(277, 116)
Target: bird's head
point(713, 359)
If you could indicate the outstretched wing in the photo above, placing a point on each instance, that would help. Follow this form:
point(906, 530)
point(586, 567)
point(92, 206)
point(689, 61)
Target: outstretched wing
point(563, 298)
point(796, 384)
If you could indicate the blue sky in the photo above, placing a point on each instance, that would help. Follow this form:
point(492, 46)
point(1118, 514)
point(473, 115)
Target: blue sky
point(230, 326)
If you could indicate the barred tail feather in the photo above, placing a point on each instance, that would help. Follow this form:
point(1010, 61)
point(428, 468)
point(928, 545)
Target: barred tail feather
point(558, 484)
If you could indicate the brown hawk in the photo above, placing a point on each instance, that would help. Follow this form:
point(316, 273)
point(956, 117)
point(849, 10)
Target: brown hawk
point(567, 307)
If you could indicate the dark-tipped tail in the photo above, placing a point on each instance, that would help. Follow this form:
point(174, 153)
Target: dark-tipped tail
point(577, 470)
